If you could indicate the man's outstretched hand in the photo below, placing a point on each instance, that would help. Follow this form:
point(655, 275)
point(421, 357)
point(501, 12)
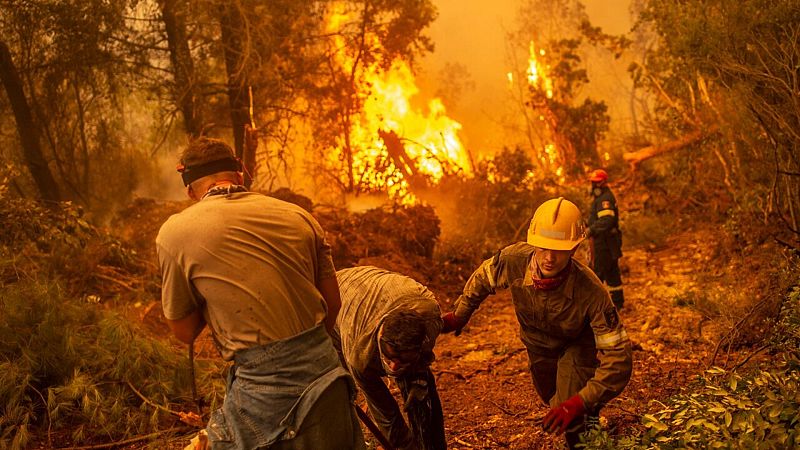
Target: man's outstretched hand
point(559, 418)
point(452, 323)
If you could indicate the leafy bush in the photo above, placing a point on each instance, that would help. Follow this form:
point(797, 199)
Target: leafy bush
point(56, 242)
point(25, 222)
point(726, 409)
point(731, 411)
point(69, 369)
point(786, 338)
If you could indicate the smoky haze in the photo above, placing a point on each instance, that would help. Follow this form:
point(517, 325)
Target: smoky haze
point(472, 57)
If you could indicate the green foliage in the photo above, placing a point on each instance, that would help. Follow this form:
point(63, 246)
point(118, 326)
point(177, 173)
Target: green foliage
point(25, 222)
point(728, 65)
point(759, 409)
point(731, 411)
point(562, 121)
point(65, 366)
point(575, 127)
point(57, 242)
point(786, 336)
point(73, 60)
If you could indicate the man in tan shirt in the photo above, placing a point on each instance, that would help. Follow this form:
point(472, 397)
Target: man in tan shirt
point(388, 326)
point(579, 353)
point(259, 272)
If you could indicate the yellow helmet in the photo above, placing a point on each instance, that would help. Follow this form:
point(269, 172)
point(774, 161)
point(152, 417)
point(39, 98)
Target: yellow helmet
point(557, 224)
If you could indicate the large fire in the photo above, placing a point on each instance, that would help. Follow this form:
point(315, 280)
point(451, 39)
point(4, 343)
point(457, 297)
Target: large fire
point(420, 145)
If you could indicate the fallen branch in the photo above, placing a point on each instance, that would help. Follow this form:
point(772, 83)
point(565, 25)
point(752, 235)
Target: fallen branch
point(128, 441)
point(786, 244)
point(729, 333)
point(114, 280)
point(753, 353)
point(149, 402)
point(190, 418)
point(506, 410)
point(466, 444)
point(636, 157)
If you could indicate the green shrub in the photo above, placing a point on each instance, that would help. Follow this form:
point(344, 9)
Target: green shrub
point(759, 409)
point(67, 366)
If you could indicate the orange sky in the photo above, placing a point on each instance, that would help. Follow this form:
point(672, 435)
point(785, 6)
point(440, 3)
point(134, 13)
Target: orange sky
point(468, 33)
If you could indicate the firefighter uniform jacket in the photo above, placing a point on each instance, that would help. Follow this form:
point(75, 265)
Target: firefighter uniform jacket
point(604, 224)
point(577, 313)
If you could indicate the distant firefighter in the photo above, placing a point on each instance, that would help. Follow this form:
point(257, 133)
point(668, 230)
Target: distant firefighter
point(578, 351)
point(388, 326)
point(605, 236)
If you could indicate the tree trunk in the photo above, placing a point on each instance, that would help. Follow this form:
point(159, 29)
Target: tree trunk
point(404, 163)
point(249, 156)
point(636, 157)
point(173, 12)
point(32, 151)
point(233, 33)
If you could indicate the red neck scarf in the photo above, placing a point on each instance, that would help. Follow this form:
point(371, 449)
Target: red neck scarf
point(548, 284)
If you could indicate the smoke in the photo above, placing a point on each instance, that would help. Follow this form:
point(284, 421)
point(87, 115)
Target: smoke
point(472, 49)
point(163, 182)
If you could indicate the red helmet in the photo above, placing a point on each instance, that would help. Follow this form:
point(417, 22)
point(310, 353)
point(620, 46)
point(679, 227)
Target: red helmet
point(598, 176)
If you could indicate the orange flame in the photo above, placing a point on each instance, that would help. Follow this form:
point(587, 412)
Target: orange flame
point(538, 76)
point(430, 139)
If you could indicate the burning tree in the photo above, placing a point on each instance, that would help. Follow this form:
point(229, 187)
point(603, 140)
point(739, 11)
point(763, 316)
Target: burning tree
point(563, 124)
point(370, 135)
point(567, 131)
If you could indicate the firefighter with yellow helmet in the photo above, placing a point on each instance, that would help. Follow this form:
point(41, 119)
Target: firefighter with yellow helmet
point(579, 354)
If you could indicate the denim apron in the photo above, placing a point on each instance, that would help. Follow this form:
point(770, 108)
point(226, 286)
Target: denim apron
point(271, 389)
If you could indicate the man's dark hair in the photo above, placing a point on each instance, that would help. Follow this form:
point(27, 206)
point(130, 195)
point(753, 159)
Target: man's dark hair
point(204, 150)
point(404, 330)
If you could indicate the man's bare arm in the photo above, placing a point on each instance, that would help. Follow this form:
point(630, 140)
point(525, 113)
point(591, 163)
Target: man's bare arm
point(329, 288)
point(187, 329)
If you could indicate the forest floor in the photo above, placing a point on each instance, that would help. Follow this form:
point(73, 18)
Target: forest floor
point(482, 375)
point(483, 379)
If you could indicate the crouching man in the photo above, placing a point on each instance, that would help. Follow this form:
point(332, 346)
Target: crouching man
point(579, 354)
point(388, 326)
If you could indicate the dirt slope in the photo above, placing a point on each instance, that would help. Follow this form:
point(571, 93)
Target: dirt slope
point(483, 377)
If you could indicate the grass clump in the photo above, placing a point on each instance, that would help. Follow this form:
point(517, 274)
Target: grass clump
point(67, 370)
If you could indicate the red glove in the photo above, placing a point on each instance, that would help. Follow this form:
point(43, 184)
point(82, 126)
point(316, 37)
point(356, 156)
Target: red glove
point(559, 418)
point(452, 323)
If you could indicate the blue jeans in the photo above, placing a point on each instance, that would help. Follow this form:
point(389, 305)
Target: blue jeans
point(271, 390)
